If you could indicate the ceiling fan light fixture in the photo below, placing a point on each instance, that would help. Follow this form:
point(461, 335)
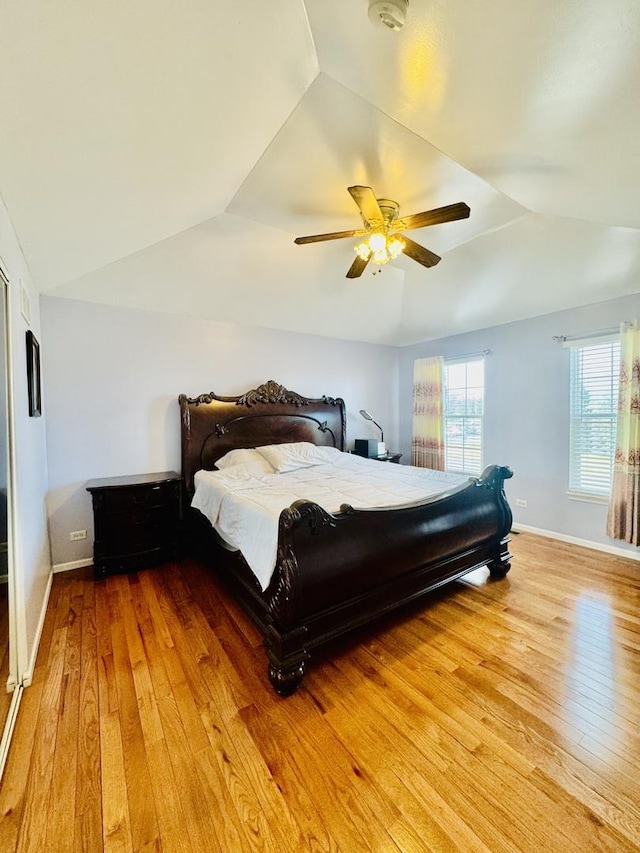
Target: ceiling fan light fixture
point(363, 251)
point(390, 14)
point(395, 246)
point(380, 248)
point(374, 248)
point(377, 242)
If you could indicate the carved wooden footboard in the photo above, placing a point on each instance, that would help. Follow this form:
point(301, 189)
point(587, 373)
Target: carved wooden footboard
point(336, 572)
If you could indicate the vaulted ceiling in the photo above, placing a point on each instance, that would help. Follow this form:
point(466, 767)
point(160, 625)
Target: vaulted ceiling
point(164, 156)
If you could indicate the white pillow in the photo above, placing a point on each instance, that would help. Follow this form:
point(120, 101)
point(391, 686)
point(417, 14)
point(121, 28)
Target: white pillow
point(297, 454)
point(245, 456)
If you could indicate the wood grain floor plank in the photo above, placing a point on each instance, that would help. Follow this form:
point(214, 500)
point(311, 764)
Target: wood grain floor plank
point(283, 828)
point(198, 818)
point(167, 801)
point(143, 821)
point(88, 822)
point(116, 828)
point(33, 827)
point(116, 825)
point(236, 800)
point(273, 740)
point(62, 795)
point(347, 822)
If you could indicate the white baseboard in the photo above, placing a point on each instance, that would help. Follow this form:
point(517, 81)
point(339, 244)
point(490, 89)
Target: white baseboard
point(74, 564)
point(28, 675)
point(584, 543)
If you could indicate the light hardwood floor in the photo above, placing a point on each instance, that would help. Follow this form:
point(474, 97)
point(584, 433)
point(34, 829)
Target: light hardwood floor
point(497, 716)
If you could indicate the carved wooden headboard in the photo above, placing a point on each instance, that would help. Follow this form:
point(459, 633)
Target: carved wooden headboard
point(269, 414)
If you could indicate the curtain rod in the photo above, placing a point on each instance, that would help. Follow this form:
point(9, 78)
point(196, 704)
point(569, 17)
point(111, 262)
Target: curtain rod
point(597, 334)
point(467, 355)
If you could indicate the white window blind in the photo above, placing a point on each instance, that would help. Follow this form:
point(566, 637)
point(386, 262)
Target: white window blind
point(463, 415)
point(594, 397)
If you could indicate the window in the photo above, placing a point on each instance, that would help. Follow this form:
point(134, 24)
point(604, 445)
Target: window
point(594, 373)
point(463, 415)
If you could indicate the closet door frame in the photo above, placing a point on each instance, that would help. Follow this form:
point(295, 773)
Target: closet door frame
point(14, 682)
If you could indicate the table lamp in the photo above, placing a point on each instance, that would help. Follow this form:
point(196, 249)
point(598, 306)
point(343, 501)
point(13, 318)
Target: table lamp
point(381, 447)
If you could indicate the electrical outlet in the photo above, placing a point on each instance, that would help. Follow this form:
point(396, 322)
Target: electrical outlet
point(77, 534)
point(520, 502)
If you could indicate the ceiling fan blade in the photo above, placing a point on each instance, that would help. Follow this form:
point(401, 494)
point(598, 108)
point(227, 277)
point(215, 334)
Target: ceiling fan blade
point(419, 253)
point(334, 235)
point(357, 267)
point(367, 202)
point(434, 217)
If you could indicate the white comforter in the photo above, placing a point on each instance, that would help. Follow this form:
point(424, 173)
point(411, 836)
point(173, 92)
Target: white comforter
point(244, 506)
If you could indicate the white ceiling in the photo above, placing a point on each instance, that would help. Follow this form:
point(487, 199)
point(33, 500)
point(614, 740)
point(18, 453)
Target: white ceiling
point(164, 156)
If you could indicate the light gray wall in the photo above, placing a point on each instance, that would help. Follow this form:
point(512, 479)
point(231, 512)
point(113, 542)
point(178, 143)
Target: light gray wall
point(527, 410)
point(31, 552)
point(114, 375)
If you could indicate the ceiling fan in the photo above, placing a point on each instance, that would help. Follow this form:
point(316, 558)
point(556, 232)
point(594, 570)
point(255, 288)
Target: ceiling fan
point(382, 227)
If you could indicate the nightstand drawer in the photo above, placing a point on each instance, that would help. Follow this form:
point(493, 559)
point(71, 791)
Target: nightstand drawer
point(135, 524)
point(133, 498)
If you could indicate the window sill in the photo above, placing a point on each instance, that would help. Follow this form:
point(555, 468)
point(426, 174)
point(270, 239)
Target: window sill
point(587, 498)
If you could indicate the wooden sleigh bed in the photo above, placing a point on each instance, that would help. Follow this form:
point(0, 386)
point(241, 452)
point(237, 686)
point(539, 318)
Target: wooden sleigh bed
point(334, 572)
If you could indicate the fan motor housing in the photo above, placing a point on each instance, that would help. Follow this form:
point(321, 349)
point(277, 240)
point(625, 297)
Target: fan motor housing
point(389, 209)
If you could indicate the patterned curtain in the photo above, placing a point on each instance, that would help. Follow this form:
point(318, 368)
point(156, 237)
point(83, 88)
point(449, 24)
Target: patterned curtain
point(427, 445)
point(623, 521)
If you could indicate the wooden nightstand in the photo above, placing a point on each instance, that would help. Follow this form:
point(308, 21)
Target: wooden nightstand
point(137, 521)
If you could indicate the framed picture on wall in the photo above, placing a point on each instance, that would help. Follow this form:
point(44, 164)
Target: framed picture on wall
point(33, 376)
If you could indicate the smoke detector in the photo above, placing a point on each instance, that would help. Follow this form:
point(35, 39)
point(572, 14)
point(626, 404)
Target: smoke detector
point(388, 13)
